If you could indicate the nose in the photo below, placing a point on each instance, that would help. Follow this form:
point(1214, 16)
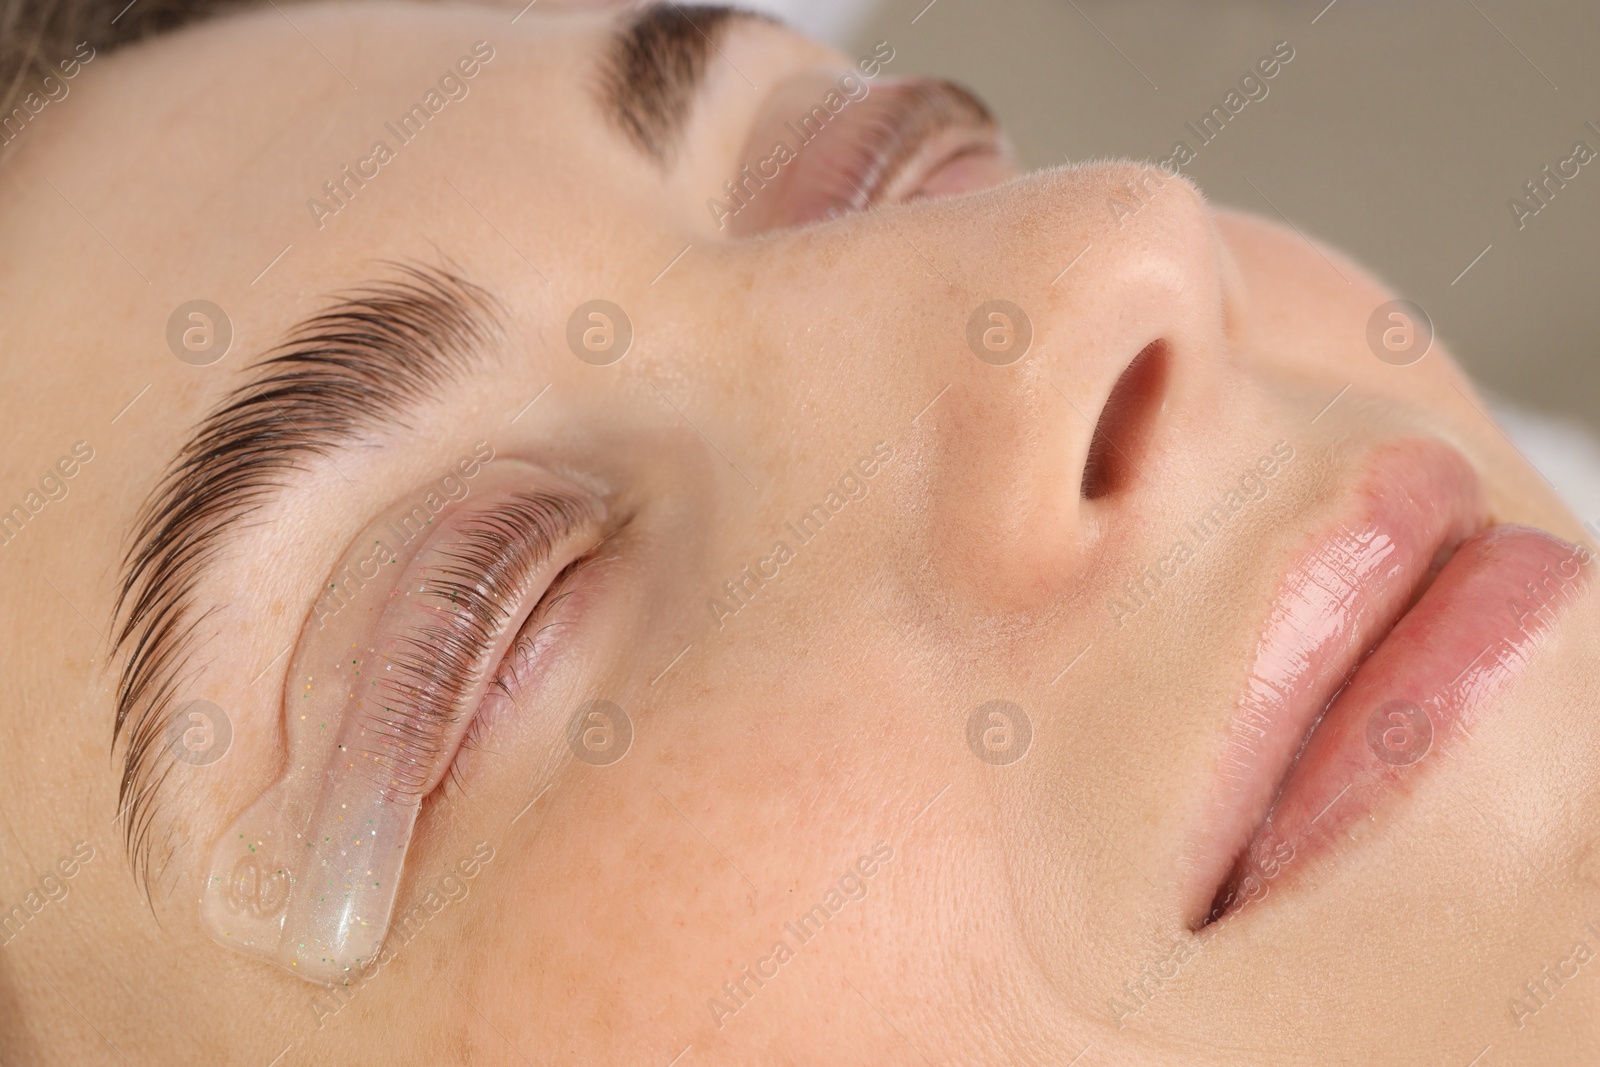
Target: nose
point(1094, 317)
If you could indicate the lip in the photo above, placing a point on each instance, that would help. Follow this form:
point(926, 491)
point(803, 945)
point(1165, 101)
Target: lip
point(1384, 642)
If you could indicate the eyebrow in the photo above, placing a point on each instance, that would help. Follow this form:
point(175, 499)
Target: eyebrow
point(656, 64)
point(377, 353)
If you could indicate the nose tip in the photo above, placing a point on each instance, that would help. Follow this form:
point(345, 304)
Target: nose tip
point(1158, 304)
point(1122, 301)
point(1159, 275)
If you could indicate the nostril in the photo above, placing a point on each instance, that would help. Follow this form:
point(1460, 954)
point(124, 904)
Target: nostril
point(1123, 423)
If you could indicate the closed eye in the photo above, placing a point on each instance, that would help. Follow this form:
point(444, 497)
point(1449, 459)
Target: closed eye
point(827, 146)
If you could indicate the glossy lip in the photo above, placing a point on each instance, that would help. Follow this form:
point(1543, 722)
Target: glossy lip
point(1386, 634)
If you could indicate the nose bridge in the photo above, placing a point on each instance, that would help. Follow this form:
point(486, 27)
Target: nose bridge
point(1067, 277)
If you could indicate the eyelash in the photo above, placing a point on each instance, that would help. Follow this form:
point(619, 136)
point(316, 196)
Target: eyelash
point(527, 648)
point(478, 593)
point(871, 151)
point(891, 138)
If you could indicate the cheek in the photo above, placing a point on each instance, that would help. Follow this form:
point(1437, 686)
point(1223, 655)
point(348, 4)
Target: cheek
point(1304, 314)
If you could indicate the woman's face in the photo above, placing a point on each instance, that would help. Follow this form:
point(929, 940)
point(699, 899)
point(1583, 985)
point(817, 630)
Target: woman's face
point(862, 613)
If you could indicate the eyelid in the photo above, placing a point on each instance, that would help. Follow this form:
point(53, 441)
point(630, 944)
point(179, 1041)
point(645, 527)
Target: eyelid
point(803, 163)
point(469, 598)
point(916, 110)
point(525, 658)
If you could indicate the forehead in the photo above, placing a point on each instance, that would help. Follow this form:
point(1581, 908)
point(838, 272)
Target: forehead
point(329, 129)
point(265, 159)
point(256, 116)
point(226, 134)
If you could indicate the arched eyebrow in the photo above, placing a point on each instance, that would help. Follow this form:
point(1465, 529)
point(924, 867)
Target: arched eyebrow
point(379, 352)
point(656, 64)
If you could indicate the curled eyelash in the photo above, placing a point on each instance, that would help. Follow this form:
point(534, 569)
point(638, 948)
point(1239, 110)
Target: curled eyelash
point(520, 660)
point(474, 594)
point(891, 130)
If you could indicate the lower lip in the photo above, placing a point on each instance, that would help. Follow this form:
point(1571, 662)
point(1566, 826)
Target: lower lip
point(1470, 634)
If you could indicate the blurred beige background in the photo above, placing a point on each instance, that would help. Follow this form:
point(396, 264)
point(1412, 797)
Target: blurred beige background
point(1398, 133)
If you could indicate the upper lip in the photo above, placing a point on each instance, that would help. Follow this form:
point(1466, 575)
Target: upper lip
point(1413, 502)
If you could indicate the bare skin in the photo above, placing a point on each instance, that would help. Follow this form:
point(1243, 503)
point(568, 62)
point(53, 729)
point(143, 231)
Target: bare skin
point(774, 744)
